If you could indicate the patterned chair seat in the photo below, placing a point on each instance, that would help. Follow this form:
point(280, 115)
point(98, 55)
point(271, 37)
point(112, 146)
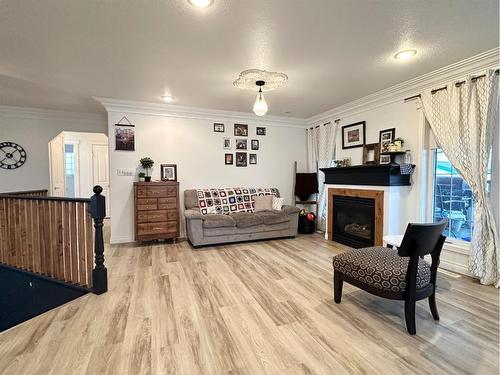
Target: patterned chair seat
point(380, 267)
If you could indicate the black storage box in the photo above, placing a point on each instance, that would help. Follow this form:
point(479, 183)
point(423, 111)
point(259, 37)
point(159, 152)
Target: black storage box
point(306, 226)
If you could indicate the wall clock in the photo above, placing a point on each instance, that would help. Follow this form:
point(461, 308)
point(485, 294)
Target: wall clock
point(12, 155)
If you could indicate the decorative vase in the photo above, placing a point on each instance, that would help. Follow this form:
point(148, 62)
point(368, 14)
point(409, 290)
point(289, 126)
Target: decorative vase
point(399, 145)
point(392, 147)
point(147, 178)
point(141, 179)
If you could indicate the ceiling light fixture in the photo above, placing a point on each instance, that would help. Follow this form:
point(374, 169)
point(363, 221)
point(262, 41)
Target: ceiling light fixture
point(260, 107)
point(405, 55)
point(201, 3)
point(167, 98)
point(266, 81)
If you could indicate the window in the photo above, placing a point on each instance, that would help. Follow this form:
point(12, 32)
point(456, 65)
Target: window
point(453, 198)
point(69, 159)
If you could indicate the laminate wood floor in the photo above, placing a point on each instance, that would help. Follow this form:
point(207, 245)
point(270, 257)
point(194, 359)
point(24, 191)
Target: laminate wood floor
point(252, 308)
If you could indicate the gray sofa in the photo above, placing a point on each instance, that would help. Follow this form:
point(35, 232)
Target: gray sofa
point(240, 226)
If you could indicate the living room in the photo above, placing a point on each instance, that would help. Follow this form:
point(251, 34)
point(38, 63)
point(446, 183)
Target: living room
point(213, 186)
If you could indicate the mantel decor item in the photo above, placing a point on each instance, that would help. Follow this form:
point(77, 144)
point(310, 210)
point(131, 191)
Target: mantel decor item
point(386, 137)
point(12, 155)
point(168, 172)
point(353, 135)
point(371, 153)
point(124, 135)
point(147, 164)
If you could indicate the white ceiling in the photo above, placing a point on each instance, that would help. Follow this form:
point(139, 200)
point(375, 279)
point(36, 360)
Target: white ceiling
point(58, 54)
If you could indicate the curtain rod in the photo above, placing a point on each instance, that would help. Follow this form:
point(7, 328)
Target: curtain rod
point(457, 84)
point(326, 123)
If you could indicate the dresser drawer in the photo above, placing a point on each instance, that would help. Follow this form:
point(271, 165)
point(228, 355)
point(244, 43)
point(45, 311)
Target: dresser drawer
point(153, 216)
point(172, 215)
point(161, 191)
point(156, 228)
point(141, 191)
point(147, 206)
point(167, 203)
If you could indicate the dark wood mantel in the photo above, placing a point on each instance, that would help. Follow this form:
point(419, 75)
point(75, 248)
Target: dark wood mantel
point(373, 175)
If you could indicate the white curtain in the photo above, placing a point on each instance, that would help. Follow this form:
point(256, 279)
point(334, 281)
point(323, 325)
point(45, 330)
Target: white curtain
point(320, 151)
point(463, 118)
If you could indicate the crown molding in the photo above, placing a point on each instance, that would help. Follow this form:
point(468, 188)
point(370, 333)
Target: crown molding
point(177, 111)
point(472, 65)
point(49, 114)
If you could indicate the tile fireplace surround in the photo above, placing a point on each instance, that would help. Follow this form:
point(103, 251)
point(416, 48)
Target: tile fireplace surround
point(389, 215)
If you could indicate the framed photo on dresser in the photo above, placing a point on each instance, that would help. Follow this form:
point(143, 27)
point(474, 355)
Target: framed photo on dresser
point(168, 172)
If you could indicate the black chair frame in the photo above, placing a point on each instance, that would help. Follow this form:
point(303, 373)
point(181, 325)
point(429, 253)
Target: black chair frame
point(419, 240)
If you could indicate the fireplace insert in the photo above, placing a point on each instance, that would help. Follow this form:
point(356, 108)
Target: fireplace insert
point(353, 221)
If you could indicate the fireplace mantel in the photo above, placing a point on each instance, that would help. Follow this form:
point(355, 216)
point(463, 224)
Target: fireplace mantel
point(373, 175)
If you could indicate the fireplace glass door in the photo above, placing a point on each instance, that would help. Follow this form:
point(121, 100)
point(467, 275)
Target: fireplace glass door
point(353, 221)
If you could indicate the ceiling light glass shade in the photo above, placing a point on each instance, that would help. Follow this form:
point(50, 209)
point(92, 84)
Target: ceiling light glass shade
point(201, 3)
point(260, 106)
point(167, 98)
point(405, 55)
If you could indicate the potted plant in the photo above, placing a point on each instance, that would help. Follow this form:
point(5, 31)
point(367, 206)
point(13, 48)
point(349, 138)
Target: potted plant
point(142, 176)
point(147, 164)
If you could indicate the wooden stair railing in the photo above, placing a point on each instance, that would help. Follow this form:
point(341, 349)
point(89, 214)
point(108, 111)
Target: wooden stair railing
point(29, 193)
point(55, 237)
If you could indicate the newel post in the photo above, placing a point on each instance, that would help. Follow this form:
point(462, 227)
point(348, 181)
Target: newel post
point(100, 273)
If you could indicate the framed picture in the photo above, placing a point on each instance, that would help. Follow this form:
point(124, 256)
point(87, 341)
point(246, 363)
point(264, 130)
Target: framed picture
point(241, 130)
point(124, 137)
point(385, 159)
point(241, 159)
point(385, 138)
point(168, 172)
point(255, 144)
point(241, 144)
point(228, 159)
point(226, 144)
point(218, 127)
point(353, 135)
point(261, 131)
point(371, 154)
point(252, 158)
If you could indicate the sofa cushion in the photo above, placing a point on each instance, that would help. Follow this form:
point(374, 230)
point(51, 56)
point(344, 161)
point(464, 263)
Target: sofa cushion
point(218, 221)
point(246, 219)
point(273, 217)
point(262, 203)
point(380, 267)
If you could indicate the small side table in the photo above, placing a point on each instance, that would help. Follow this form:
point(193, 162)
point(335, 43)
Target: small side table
point(392, 240)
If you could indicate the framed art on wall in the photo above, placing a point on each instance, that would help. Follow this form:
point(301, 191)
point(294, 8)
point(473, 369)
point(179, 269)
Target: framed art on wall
point(386, 137)
point(353, 135)
point(241, 130)
point(241, 144)
point(255, 144)
point(252, 158)
point(371, 154)
point(261, 131)
point(168, 172)
point(241, 159)
point(228, 159)
point(226, 144)
point(218, 127)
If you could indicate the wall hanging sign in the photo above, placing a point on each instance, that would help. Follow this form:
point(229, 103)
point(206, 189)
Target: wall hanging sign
point(353, 135)
point(124, 135)
point(12, 155)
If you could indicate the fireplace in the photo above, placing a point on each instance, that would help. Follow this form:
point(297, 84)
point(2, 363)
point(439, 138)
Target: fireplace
point(355, 217)
point(353, 221)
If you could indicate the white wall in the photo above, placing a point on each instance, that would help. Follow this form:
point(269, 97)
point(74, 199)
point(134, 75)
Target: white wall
point(197, 150)
point(33, 129)
point(407, 120)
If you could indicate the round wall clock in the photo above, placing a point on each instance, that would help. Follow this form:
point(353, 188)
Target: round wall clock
point(12, 155)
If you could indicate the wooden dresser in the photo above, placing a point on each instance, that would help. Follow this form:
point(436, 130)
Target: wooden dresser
point(156, 210)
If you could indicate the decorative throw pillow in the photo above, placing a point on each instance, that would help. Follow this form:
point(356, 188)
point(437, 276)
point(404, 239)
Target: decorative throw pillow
point(263, 203)
point(277, 203)
point(229, 200)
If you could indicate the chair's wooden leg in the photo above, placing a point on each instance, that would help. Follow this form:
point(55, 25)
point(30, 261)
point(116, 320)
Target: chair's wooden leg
point(410, 316)
point(432, 305)
point(337, 286)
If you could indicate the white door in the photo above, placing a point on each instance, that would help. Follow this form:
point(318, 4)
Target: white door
point(100, 170)
point(57, 167)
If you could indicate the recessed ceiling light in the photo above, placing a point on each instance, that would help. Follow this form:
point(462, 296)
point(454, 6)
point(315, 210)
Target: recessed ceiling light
point(405, 55)
point(167, 98)
point(201, 3)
